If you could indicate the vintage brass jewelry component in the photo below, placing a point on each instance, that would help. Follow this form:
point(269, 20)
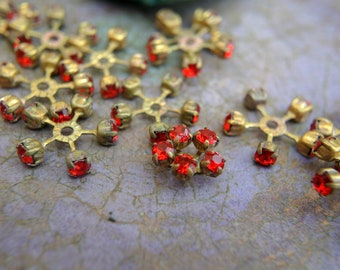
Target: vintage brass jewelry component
point(104, 60)
point(154, 107)
point(31, 151)
point(11, 107)
point(169, 152)
point(203, 34)
point(19, 31)
point(322, 141)
point(255, 99)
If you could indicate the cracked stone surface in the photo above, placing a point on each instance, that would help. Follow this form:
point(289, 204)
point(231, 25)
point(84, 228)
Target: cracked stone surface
point(130, 214)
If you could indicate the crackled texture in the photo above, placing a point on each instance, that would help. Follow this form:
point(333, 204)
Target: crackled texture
point(129, 214)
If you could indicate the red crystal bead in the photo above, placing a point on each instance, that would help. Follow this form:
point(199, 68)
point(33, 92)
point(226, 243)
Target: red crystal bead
point(214, 161)
point(160, 137)
point(63, 116)
point(320, 184)
point(114, 113)
point(114, 127)
point(10, 117)
point(180, 134)
point(24, 60)
point(265, 158)
point(191, 71)
point(21, 39)
point(313, 125)
point(110, 91)
point(81, 167)
point(196, 117)
point(64, 76)
point(153, 57)
point(206, 134)
point(185, 163)
point(163, 150)
point(21, 151)
point(76, 57)
point(227, 125)
point(229, 52)
point(144, 70)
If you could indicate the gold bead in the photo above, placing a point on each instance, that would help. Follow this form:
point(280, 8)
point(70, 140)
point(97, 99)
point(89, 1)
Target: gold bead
point(27, 10)
point(156, 128)
point(117, 35)
point(234, 123)
point(19, 25)
point(223, 45)
point(107, 132)
point(79, 42)
point(8, 74)
point(70, 67)
point(328, 149)
point(88, 31)
point(190, 112)
point(31, 152)
point(323, 125)
point(30, 51)
point(138, 64)
point(191, 59)
point(172, 83)
point(169, 22)
point(6, 7)
point(131, 86)
point(122, 113)
point(55, 15)
point(59, 106)
point(11, 108)
point(50, 60)
point(74, 157)
point(300, 108)
point(83, 104)
point(254, 98)
point(83, 83)
point(73, 53)
point(308, 142)
point(158, 45)
point(34, 115)
point(206, 18)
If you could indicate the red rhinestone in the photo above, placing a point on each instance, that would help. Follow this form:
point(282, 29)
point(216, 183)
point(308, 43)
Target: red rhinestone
point(313, 125)
point(265, 158)
point(81, 167)
point(185, 162)
point(229, 52)
point(214, 160)
point(320, 184)
point(114, 113)
point(143, 71)
point(10, 15)
point(110, 91)
point(23, 60)
point(160, 137)
point(10, 117)
point(191, 71)
point(207, 135)
point(64, 76)
point(85, 89)
point(162, 150)
point(153, 57)
point(63, 116)
point(76, 57)
point(21, 39)
point(196, 117)
point(21, 151)
point(180, 133)
point(227, 125)
point(114, 127)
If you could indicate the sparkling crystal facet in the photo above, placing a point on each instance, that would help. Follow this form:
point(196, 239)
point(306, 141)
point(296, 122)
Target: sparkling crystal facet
point(21, 151)
point(81, 167)
point(227, 125)
point(114, 113)
point(110, 91)
point(191, 71)
point(320, 184)
point(160, 137)
point(215, 160)
point(63, 116)
point(265, 158)
point(207, 135)
point(162, 149)
point(180, 133)
point(185, 162)
point(64, 76)
point(24, 60)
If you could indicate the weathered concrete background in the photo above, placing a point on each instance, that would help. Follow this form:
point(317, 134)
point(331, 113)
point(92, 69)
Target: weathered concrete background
point(249, 217)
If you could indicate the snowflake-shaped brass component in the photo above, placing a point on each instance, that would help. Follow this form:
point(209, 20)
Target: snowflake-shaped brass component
point(19, 31)
point(169, 152)
point(46, 87)
point(323, 142)
point(203, 34)
point(105, 60)
point(31, 151)
point(267, 152)
point(154, 107)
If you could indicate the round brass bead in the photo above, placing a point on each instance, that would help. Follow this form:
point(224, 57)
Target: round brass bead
point(72, 52)
point(19, 24)
point(254, 98)
point(50, 60)
point(220, 44)
point(83, 83)
point(71, 67)
point(308, 142)
point(88, 31)
point(83, 104)
point(14, 107)
point(158, 127)
point(117, 35)
point(237, 124)
point(300, 108)
point(138, 64)
point(324, 126)
point(131, 86)
point(79, 42)
point(270, 146)
point(160, 49)
point(27, 10)
point(106, 134)
point(172, 83)
point(55, 15)
point(6, 7)
point(168, 22)
point(30, 51)
point(59, 106)
point(34, 115)
point(206, 18)
point(8, 74)
point(124, 114)
point(188, 112)
point(35, 149)
point(329, 149)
